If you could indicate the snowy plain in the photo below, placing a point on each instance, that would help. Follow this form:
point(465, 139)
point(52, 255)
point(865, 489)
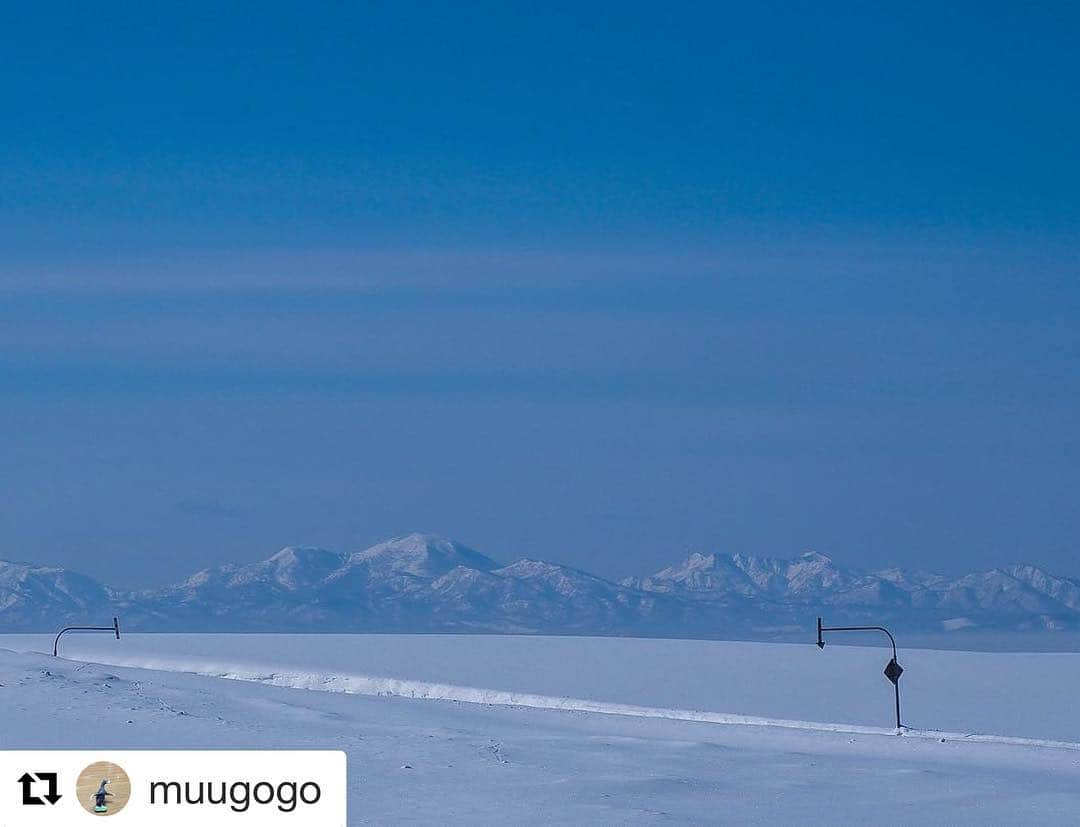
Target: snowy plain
point(474, 729)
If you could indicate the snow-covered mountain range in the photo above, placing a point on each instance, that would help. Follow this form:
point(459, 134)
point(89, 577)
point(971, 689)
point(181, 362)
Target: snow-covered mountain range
point(425, 583)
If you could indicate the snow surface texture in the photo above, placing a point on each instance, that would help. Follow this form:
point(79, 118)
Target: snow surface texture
point(1015, 694)
point(425, 583)
point(583, 730)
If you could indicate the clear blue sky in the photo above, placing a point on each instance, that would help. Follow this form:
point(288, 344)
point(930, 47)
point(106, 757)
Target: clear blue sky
point(600, 285)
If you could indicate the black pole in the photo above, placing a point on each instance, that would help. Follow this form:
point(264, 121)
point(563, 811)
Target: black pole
point(896, 688)
point(893, 669)
point(115, 628)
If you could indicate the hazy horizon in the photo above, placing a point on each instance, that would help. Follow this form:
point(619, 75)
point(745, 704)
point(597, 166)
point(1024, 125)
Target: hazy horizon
point(122, 582)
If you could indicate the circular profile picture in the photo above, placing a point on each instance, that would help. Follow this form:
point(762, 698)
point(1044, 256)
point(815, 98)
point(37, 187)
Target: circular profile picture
point(103, 788)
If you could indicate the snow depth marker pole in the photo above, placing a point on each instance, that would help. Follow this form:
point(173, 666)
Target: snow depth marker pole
point(893, 669)
point(115, 628)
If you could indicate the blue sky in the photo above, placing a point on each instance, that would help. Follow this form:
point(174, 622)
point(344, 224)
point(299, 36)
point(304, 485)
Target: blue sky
point(597, 285)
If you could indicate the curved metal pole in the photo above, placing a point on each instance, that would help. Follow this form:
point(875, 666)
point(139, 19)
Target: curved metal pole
point(115, 628)
point(892, 640)
point(821, 643)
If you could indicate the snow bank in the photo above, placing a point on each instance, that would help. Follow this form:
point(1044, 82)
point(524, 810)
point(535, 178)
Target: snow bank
point(355, 684)
point(1026, 695)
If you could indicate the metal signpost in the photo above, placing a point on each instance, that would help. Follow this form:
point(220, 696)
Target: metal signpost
point(114, 628)
point(893, 669)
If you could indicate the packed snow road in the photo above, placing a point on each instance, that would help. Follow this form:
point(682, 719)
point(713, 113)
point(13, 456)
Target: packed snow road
point(431, 761)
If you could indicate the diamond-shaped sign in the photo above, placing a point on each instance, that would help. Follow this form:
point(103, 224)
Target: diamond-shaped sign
point(893, 671)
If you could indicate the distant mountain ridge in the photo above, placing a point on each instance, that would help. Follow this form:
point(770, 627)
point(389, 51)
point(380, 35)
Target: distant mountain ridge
point(1020, 597)
point(426, 583)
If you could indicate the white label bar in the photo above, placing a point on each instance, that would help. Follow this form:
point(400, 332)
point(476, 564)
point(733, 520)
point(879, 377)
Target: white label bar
point(173, 787)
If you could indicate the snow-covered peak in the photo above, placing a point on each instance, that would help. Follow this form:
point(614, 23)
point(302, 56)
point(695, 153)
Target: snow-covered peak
point(300, 566)
point(424, 582)
point(694, 572)
point(30, 592)
point(741, 574)
point(812, 570)
point(1063, 589)
point(292, 569)
point(564, 580)
point(292, 557)
point(12, 574)
point(421, 555)
point(699, 562)
point(533, 569)
point(203, 577)
point(746, 575)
